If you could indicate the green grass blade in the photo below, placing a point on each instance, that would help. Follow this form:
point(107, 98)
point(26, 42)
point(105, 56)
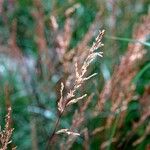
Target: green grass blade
point(127, 40)
point(138, 76)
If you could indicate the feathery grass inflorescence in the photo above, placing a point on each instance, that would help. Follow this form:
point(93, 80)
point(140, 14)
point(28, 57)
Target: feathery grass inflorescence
point(80, 77)
point(5, 135)
point(120, 88)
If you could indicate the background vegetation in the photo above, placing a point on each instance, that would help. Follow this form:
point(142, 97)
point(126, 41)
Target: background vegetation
point(40, 41)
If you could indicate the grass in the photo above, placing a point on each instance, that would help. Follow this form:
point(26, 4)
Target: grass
point(61, 94)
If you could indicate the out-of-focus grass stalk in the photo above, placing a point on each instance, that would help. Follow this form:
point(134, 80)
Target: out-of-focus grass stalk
point(113, 131)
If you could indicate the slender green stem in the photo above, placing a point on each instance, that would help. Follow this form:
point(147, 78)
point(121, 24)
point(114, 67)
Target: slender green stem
point(113, 131)
point(141, 73)
point(127, 40)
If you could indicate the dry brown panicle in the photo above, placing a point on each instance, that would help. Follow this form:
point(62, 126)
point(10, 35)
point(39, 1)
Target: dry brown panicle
point(80, 52)
point(12, 50)
point(61, 41)
point(119, 88)
point(70, 96)
point(79, 79)
point(63, 37)
point(80, 75)
point(6, 133)
point(15, 51)
point(40, 23)
point(43, 50)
